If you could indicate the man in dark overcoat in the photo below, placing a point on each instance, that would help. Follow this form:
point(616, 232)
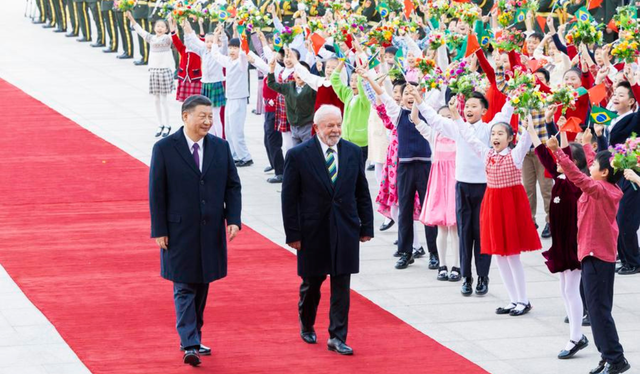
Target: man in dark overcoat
point(194, 192)
point(327, 212)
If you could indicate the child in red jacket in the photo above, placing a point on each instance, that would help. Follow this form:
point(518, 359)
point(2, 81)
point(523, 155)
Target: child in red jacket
point(190, 69)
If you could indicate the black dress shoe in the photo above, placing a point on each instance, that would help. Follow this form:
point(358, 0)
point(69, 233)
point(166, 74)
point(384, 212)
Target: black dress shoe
point(397, 254)
point(442, 274)
point(371, 167)
point(71, 35)
point(454, 275)
point(586, 321)
point(83, 40)
point(600, 368)
point(276, 179)
point(546, 232)
point(434, 261)
point(140, 63)
point(97, 45)
point(203, 351)
point(506, 310)
point(387, 226)
point(577, 346)
point(566, 319)
point(417, 253)
point(467, 286)
point(159, 131)
point(620, 367)
point(242, 164)
point(517, 313)
point(309, 337)
point(109, 50)
point(166, 131)
point(268, 169)
point(336, 345)
point(628, 270)
point(405, 260)
point(396, 242)
point(59, 30)
point(483, 286)
point(124, 56)
point(48, 26)
point(191, 357)
point(37, 22)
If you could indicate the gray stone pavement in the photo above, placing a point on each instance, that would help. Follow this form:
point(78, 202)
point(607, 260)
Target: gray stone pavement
point(109, 98)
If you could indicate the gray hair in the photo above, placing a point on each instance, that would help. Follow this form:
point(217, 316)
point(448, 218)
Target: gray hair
point(325, 111)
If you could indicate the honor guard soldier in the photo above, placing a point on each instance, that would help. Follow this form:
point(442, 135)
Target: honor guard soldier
point(262, 6)
point(141, 15)
point(110, 25)
point(83, 20)
point(124, 26)
point(72, 11)
point(60, 12)
point(95, 8)
point(287, 9)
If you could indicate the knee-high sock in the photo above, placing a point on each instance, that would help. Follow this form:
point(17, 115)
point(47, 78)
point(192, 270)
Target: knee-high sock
point(517, 272)
point(158, 102)
point(378, 172)
point(443, 235)
point(570, 292)
point(216, 128)
point(507, 277)
point(394, 212)
point(455, 244)
point(287, 142)
point(417, 226)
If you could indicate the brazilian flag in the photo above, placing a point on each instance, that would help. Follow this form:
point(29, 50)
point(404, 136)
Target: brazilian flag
point(582, 14)
point(521, 15)
point(484, 34)
point(277, 42)
point(383, 9)
point(602, 116)
point(338, 52)
point(223, 16)
point(373, 62)
point(400, 58)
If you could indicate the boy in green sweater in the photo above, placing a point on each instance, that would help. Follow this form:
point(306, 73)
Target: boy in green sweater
point(356, 109)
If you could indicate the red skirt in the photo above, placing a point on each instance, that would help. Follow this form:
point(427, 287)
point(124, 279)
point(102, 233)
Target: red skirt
point(506, 226)
point(188, 88)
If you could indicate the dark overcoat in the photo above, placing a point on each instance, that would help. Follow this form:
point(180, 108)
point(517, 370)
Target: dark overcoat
point(191, 207)
point(329, 220)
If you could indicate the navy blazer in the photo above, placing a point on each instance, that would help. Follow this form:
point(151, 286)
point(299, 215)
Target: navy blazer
point(191, 207)
point(329, 220)
point(621, 131)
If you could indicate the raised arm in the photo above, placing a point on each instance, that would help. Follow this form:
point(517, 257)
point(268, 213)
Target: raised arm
point(504, 115)
point(258, 62)
point(344, 93)
point(581, 180)
point(192, 42)
point(522, 148)
point(445, 126)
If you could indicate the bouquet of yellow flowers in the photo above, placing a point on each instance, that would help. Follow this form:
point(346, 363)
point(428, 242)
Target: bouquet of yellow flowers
point(468, 12)
point(425, 65)
point(315, 25)
point(438, 8)
point(509, 40)
point(382, 35)
point(625, 17)
point(124, 5)
point(289, 33)
point(433, 80)
point(436, 39)
point(586, 33)
point(626, 50)
point(524, 99)
point(626, 156)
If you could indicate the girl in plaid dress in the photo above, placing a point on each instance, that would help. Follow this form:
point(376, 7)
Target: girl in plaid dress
point(161, 65)
point(507, 228)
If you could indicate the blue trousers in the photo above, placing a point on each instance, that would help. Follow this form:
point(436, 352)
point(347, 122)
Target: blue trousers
point(190, 300)
point(628, 222)
point(468, 202)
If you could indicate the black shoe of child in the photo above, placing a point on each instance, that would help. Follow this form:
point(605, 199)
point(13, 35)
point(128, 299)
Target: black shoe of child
point(159, 131)
point(586, 321)
point(419, 252)
point(467, 286)
point(483, 286)
point(507, 309)
point(442, 274)
point(405, 261)
point(517, 313)
point(434, 261)
point(454, 276)
point(600, 368)
point(577, 346)
point(620, 367)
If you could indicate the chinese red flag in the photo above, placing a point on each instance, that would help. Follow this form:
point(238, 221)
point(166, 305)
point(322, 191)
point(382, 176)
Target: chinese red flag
point(408, 8)
point(572, 125)
point(317, 41)
point(472, 45)
point(594, 4)
point(244, 44)
point(542, 22)
point(597, 93)
point(612, 25)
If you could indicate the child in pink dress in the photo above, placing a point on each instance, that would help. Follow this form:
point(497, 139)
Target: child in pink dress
point(439, 207)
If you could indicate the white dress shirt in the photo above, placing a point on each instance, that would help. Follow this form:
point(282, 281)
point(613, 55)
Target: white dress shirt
point(200, 143)
point(324, 151)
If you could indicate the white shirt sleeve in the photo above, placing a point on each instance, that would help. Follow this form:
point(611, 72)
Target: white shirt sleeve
point(313, 81)
point(194, 44)
point(425, 131)
point(445, 126)
point(393, 109)
point(223, 60)
point(504, 115)
point(467, 133)
point(522, 148)
point(259, 63)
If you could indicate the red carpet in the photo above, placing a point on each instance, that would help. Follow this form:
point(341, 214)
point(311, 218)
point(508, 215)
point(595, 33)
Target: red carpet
point(75, 237)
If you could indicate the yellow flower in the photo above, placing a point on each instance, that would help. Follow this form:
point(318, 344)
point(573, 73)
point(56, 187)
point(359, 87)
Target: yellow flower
point(516, 100)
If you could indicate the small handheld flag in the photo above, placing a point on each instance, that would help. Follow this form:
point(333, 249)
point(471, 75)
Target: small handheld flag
point(583, 14)
point(601, 116)
point(277, 42)
point(520, 15)
point(572, 125)
point(383, 9)
point(399, 57)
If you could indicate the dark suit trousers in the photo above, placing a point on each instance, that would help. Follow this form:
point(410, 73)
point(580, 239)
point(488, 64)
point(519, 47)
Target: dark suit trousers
point(412, 178)
point(190, 300)
point(339, 310)
point(468, 201)
point(628, 223)
point(273, 143)
point(365, 156)
point(598, 277)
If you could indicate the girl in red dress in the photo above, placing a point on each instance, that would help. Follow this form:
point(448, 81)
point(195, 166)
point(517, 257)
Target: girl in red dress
point(506, 227)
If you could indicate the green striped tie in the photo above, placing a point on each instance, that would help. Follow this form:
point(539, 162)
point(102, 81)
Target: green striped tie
point(331, 165)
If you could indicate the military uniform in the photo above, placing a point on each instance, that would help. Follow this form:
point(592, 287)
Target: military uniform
point(110, 25)
point(287, 9)
point(46, 15)
point(141, 15)
point(73, 9)
point(83, 20)
point(317, 9)
point(95, 8)
point(60, 13)
point(124, 26)
point(370, 12)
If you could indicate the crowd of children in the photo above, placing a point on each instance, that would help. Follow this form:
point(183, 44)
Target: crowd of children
point(463, 110)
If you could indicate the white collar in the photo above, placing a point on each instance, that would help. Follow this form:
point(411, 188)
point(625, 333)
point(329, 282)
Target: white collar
point(325, 147)
point(190, 142)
